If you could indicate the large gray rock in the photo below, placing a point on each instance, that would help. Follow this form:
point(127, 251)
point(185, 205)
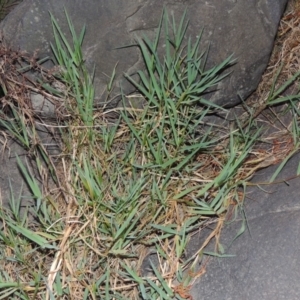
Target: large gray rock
point(243, 28)
point(267, 258)
point(12, 182)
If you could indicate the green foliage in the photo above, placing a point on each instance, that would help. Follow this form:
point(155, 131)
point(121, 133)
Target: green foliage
point(73, 71)
point(148, 180)
point(6, 6)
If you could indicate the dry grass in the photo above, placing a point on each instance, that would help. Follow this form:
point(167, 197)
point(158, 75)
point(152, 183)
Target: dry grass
point(83, 219)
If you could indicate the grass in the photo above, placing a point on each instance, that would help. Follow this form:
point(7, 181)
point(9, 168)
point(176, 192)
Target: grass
point(6, 6)
point(145, 181)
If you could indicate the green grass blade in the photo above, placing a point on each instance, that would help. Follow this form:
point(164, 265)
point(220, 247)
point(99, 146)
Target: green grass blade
point(34, 237)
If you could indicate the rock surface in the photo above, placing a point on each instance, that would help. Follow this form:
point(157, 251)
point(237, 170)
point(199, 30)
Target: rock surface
point(267, 256)
point(243, 28)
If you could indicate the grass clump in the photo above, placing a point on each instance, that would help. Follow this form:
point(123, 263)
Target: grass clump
point(145, 181)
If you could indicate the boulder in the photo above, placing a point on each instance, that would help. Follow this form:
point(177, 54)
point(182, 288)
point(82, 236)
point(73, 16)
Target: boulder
point(265, 262)
point(243, 28)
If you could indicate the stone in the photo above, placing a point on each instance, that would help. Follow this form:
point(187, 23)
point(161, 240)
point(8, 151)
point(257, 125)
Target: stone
point(243, 28)
point(12, 183)
point(266, 257)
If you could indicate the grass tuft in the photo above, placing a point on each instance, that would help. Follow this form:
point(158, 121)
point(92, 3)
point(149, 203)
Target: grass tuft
point(120, 189)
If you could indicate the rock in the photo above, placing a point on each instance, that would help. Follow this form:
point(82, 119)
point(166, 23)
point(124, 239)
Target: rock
point(243, 28)
point(12, 182)
point(265, 265)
